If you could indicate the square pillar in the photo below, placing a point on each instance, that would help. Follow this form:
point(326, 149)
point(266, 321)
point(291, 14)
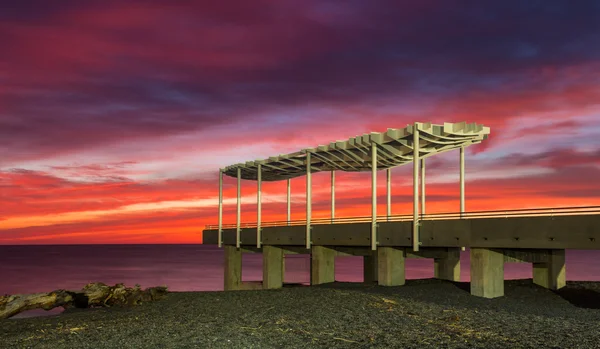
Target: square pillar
point(551, 274)
point(273, 267)
point(487, 272)
point(370, 268)
point(322, 265)
point(390, 261)
point(448, 267)
point(233, 268)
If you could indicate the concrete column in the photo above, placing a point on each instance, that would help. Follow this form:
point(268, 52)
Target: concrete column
point(238, 218)
point(448, 268)
point(422, 187)
point(259, 205)
point(389, 193)
point(308, 200)
point(322, 265)
point(552, 274)
point(487, 272)
point(370, 268)
point(373, 196)
point(233, 268)
point(273, 267)
point(390, 271)
point(332, 196)
point(220, 237)
point(289, 201)
point(462, 181)
point(415, 237)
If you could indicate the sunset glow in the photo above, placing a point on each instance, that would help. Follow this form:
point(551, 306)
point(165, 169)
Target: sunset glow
point(116, 116)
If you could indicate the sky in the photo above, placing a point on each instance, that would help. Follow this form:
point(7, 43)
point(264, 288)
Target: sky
point(116, 116)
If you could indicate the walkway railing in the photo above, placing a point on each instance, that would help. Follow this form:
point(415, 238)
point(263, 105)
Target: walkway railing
point(530, 212)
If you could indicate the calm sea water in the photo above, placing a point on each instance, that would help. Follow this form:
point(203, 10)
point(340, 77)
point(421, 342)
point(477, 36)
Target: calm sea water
point(30, 269)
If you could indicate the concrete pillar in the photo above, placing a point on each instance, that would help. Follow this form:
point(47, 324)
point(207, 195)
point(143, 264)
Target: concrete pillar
point(238, 217)
point(552, 274)
point(220, 237)
point(448, 268)
point(389, 193)
point(370, 268)
point(487, 272)
point(273, 267)
point(233, 268)
point(390, 271)
point(332, 196)
point(416, 236)
point(322, 265)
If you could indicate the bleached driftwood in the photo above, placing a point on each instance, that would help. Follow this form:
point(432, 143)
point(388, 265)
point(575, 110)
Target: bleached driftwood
point(94, 294)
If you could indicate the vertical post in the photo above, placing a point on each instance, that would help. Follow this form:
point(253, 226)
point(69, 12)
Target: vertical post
point(462, 182)
point(373, 195)
point(238, 218)
point(289, 201)
point(389, 193)
point(308, 200)
point(220, 208)
point(415, 187)
point(332, 196)
point(422, 187)
point(259, 204)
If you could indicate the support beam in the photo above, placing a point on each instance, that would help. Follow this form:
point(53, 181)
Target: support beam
point(259, 205)
point(422, 187)
point(462, 181)
point(308, 200)
point(448, 266)
point(322, 265)
point(389, 192)
point(487, 272)
point(391, 270)
point(332, 196)
point(233, 268)
point(370, 268)
point(462, 184)
point(552, 274)
point(220, 237)
point(289, 201)
point(273, 267)
point(373, 196)
point(415, 237)
point(238, 219)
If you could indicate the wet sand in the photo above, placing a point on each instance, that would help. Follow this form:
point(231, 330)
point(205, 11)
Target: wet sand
point(423, 313)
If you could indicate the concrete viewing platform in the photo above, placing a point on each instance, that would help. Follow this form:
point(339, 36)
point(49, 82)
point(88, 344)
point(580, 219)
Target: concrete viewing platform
point(536, 236)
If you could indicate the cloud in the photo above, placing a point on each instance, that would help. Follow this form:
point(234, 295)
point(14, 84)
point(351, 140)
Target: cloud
point(106, 105)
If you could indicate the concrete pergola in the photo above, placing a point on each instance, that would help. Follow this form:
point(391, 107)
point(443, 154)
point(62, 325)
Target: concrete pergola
point(369, 152)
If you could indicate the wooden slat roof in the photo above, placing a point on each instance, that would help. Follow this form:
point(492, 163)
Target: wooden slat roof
point(394, 148)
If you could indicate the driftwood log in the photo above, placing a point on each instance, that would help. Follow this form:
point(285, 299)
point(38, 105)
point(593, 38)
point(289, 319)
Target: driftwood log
point(95, 294)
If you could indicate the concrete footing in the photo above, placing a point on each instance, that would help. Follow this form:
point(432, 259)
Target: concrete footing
point(487, 272)
point(448, 267)
point(391, 266)
point(322, 265)
point(551, 274)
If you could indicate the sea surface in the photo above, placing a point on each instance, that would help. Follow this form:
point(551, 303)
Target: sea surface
point(31, 269)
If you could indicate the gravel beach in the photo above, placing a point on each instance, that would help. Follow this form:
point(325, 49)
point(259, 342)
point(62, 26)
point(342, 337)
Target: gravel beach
point(423, 313)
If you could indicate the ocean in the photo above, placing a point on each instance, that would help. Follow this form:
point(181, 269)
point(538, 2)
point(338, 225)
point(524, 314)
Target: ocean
point(31, 269)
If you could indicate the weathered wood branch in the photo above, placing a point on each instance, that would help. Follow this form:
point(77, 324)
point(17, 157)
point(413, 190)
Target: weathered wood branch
point(94, 294)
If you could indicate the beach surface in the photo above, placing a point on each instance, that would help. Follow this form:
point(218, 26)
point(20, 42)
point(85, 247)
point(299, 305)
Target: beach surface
point(420, 314)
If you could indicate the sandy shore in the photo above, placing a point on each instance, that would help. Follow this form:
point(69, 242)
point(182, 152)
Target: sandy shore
point(423, 313)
